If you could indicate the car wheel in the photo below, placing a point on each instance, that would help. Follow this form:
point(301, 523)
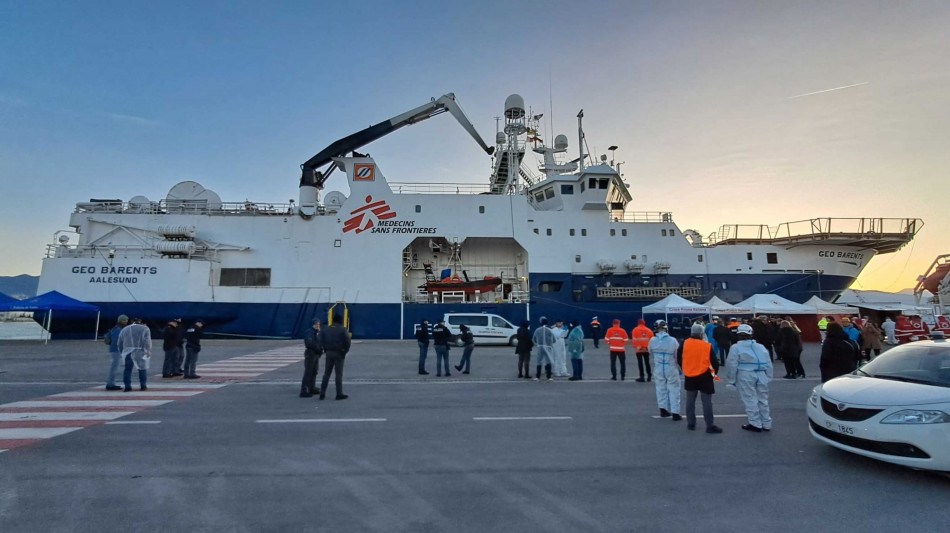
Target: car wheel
point(513, 340)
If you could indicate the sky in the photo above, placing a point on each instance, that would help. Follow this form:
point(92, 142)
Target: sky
point(722, 110)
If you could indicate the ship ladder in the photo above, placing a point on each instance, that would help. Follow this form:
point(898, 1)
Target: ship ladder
point(346, 314)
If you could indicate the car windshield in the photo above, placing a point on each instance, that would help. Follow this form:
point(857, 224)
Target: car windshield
point(914, 363)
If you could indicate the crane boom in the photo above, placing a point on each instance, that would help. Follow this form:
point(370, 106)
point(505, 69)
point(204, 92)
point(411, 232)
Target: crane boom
point(311, 176)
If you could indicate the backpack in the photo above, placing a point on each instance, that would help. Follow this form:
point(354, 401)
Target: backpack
point(108, 338)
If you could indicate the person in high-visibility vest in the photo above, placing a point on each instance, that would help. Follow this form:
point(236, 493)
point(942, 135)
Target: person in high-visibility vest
point(640, 338)
point(617, 341)
point(698, 360)
point(666, 371)
point(823, 327)
point(595, 331)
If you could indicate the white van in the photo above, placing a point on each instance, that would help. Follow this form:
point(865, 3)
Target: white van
point(486, 328)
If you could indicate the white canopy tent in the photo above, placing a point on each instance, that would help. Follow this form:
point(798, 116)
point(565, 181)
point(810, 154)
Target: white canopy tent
point(773, 304)
point(719, 307)
point(675, 304)
point(825, 308)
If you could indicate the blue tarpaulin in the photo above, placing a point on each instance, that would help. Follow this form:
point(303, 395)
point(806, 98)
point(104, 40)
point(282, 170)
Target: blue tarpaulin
point(50, 302)
point(6, 299)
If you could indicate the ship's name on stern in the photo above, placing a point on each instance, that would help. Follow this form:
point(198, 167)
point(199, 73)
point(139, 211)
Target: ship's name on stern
point(121, 274)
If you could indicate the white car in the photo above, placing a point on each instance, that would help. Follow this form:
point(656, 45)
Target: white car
point(895, 408)
point(486, 328)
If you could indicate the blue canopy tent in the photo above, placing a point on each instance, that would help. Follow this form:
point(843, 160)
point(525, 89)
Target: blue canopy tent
point(49, 302)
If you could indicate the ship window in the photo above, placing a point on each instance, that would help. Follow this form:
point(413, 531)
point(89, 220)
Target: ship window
point(633, 257)
point(672, 233)
point(748, 255)
point(549, 232)
point(613, 232)
point(481, 209)
point(549, 192)
point(418, 209)
point(592, 183)
point(602, 183)
point(577, 259)
point(572, 232)
point(725, 285)
point(539, 196)
point(623, 232)
point(550, 286)
point(536, 231)
point(583, 233)
point(567, 189)
point(616, 206)
point(644, 258)
point(772, 258)
point(337, 243)
point(245, 277)
point(699, 258)
point(663, 232)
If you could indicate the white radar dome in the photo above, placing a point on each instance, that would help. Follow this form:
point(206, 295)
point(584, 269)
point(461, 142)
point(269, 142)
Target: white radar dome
point(560, 142)
point(334, 200)
point(514, 106)
point(192, 193)
point(500, 137)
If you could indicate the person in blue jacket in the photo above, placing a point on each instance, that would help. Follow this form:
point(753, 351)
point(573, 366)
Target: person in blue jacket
point(710, 327)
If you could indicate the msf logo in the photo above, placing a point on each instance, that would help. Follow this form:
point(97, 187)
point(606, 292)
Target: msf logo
point(362, 218)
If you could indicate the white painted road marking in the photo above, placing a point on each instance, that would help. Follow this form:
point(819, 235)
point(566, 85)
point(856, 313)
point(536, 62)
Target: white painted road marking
point(700, 416)
point(491, 418)
point(306, 420)
point(107, 394)
point(129, 422)
point(87, 403)
point(34, 433)
point(70, 415)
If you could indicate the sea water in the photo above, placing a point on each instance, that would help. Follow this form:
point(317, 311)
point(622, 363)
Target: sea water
point(23, 330)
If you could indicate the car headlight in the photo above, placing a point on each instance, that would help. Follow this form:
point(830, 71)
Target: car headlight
point(916, 416)
point(815, 398)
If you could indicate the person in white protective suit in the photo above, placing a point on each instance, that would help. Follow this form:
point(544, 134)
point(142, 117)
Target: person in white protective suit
point(560, 350)
point(135, 346)
point(749, 369)
point(889, 326)
point(543, 339)
point(666, 371)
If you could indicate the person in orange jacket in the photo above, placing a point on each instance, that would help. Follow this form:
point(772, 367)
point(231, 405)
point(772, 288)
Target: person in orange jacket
point(595, 331)
point(640, 338)
point(616, 339)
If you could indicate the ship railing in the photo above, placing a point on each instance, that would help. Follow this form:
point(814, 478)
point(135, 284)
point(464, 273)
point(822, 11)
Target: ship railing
point(401, 187)
point(92, 251)
point(641, 216)
point(883, 234)
point(187, 207)
point(646, 293)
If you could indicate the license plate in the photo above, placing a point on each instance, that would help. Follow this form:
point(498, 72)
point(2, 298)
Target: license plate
point(840, 428)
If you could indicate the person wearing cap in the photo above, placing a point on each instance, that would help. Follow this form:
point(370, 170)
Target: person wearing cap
point(193, 346)
point(617, 339)
point(440, 340)
point(523, 350)
point(135, 345)
point(698, 360)
point(640, 339)
point(170, 338)
point(422, 336)
point(595, 331)
point(543, 341)
point(112, 339)
point(666, 371)
point(311, 361)
point(468, 343)
point(749, 369)
point(575, 348)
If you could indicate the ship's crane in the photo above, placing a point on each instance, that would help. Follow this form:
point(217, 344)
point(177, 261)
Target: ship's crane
point(312, 177)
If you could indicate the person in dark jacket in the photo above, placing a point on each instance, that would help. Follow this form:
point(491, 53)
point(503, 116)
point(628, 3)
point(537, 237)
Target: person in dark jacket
point(422, 335)
point(524, 350)
point(596, 332)
point(440, 339)
point(192, 347)
point(335, 341)
point(112, 336)
point(839, 354)
point(170, 343)
point(311, 358)
point(788, 348)
point(760, 333)
point(773, 325)
point(180, 360)
point(468, 343)
point(723, 339)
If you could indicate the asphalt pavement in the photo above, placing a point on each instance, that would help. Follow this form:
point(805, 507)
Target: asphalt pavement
point(478, 452)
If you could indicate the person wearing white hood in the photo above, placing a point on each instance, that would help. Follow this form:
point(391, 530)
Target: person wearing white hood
point(666, 371)
point(889, 326)
point(560, 350)
point(749, 369)
point(544, 339)
point(135, 346)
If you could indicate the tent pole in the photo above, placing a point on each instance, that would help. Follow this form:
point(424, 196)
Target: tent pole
point(95, 334)
point(49, 324)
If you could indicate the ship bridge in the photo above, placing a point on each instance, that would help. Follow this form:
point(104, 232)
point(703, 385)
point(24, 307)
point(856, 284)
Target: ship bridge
point(883, 235)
